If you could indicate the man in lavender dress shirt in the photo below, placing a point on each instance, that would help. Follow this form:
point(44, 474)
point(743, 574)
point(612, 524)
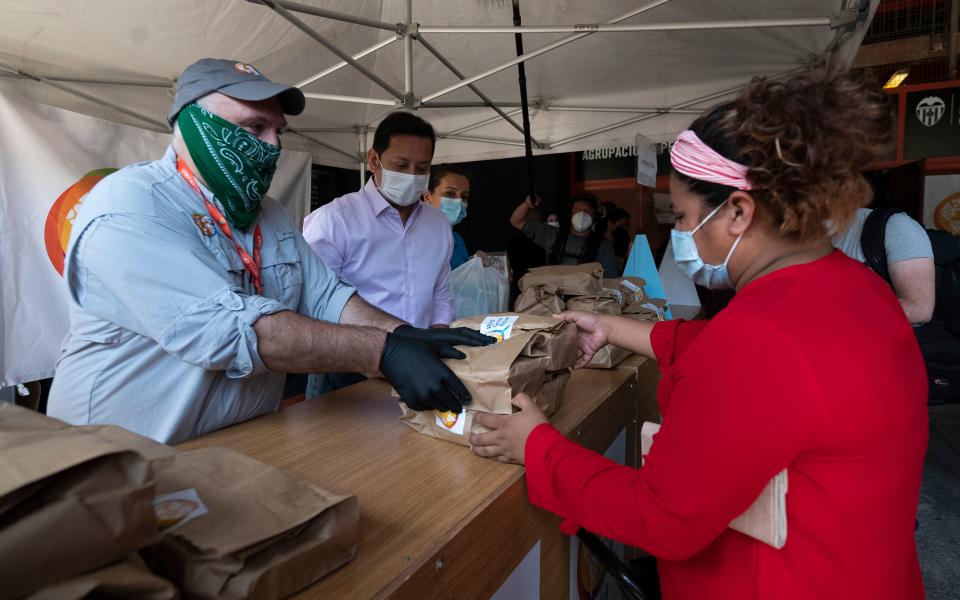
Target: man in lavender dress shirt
point(395, 249)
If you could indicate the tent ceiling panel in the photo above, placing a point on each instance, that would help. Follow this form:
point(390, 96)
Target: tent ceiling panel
point(140, 40)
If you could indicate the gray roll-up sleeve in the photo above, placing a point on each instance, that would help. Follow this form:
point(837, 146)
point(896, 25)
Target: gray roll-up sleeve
point(906, 239)
point(165, 285)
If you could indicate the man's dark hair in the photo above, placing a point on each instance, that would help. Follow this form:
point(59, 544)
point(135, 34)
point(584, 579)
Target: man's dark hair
point(402, 123)
point(587, 198)
point(438, 172)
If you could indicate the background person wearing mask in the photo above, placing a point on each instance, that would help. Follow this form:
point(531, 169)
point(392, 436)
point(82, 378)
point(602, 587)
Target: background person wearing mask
point(449, 191)
point(192, 293)
point(569, 245)
point(395, 249)
point(811, 368)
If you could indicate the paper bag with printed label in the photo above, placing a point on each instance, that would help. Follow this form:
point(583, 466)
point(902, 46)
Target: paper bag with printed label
point(264, 534)
point(71, 501)
point(457, 428)
point(571, 280)
point(129, 578)
point(543, 300)
point(530, 347)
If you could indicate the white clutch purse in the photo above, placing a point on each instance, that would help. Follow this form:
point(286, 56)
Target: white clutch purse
point(766, 519)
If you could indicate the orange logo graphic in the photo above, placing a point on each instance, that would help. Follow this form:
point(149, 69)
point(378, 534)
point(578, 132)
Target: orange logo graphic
point(56, 230)
point(248, 69)
point(946, 216)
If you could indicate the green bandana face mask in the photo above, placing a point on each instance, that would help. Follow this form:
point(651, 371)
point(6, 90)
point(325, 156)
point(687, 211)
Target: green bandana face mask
point(236, 166)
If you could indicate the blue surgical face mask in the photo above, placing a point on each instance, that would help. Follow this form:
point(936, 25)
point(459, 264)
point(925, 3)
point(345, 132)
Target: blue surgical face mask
point(455, 209)
point(713, 277)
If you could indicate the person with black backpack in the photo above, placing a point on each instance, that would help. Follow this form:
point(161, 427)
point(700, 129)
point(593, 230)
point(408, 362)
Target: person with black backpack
point(923, 268)
point(903, 252)
point(573, 243)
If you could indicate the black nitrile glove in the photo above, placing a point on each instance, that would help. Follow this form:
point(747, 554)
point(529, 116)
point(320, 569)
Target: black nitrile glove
point(414, 369)
point(443, 339)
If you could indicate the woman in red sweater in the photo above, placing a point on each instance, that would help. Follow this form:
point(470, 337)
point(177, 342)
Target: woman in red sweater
point(812, 368)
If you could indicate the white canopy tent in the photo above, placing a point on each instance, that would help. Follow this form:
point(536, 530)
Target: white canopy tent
point(598, 73)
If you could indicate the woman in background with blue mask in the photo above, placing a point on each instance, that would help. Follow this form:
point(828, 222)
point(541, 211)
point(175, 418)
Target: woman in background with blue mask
point(449, 190)
point(812, 369)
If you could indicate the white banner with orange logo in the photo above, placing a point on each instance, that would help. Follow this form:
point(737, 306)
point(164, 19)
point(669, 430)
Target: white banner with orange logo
point(50, 158)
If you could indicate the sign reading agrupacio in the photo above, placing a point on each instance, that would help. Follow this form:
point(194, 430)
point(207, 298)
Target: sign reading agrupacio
point(932, 125)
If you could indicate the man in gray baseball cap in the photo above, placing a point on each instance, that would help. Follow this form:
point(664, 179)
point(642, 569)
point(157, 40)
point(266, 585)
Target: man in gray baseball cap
point(192, 292)
point(235, 79)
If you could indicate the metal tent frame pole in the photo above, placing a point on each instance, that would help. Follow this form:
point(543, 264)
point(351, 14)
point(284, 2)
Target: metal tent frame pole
point(487, 102)
point(538, 52)
point(343, 63)
point(92, 81)
point(612, 28)
point(327, 14)
point(362, 139)
point(619, 109)
point(469, 104)
point(277, 7)
point(489, 121)
point(353, 99)
point(408, 98)
point(524, 107)
point(318, 142)
point(160, 126)
point(483, 140)
point(682, 105)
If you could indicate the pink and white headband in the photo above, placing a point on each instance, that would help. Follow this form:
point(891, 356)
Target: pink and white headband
point(695, 159)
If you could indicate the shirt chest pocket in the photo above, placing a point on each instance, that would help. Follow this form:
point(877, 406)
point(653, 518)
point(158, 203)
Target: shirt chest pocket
point(281, 272)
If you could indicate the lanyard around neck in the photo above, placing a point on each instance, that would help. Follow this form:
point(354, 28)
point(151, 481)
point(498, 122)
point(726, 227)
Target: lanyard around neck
point(252, 265)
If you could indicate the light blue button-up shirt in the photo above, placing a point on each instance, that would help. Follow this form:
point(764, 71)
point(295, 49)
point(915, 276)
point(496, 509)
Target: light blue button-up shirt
point(162, 310)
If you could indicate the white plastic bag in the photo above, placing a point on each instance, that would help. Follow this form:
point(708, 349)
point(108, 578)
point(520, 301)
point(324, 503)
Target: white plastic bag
point(478, 290)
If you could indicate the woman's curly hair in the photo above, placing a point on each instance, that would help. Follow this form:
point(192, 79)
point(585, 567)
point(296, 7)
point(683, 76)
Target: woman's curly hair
point(805, 138)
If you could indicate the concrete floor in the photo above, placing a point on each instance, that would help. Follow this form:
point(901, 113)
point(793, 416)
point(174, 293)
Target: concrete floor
point(938, 537)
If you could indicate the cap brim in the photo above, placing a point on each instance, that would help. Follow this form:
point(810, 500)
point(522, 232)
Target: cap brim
point(292, 101)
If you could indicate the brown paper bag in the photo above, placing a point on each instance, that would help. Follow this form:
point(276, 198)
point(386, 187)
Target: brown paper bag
point(627, 290)
point(445, 426)
point(70, 501)
point(129, 578)
point(458, 428)
point(608, 357)
point(572, 280)
point(495, 374)
point(650, 310)
point(266, 533)
point(602, 305)
point(551, 395)
point(543, 300)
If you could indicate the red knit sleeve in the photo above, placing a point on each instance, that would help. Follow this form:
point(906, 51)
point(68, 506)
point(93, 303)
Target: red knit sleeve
point(670, 339)
point(742, 387)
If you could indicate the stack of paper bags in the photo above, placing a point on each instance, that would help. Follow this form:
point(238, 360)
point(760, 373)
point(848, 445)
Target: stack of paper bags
point(549, 290)
point(72, 501)
point(77, 504)
point(533, 356)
